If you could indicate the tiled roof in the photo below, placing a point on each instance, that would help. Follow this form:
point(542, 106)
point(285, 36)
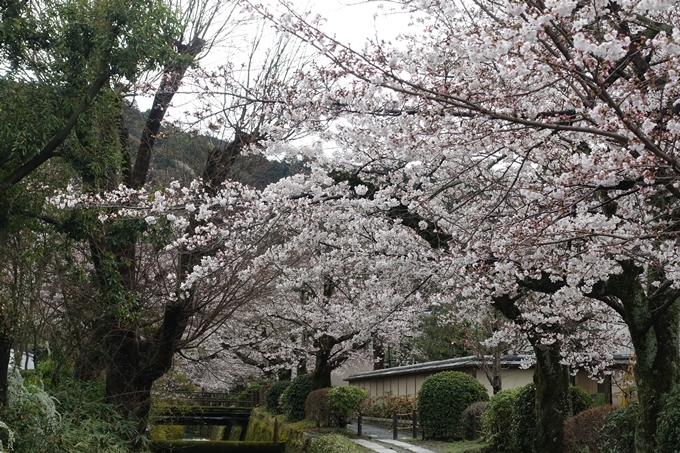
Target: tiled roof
point(507, 361)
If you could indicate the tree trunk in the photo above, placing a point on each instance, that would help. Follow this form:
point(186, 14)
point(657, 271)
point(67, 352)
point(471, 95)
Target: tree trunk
point(321, 376)
point(170, 82)
point(496, 382)
point(135, 363)
point(653, 321)
point(656, 372)
point(553, 400)
point(378, 353)
point(5, 355)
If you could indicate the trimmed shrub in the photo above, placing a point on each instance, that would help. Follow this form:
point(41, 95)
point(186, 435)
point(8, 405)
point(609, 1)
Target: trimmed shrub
point(316, 407)
point(273, 395)
point(524, 419)
point(344, 403)
point(582, 431)
point(334, 443)
point(385, 406)
point(441, 401)
point(471, 420)
point(580, 399)
point(668, 423)
point(497, 420)
point(618, 433)
point(294, 397)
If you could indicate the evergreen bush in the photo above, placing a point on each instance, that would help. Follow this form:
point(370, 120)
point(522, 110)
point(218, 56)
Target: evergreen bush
point(498, 418)
point(618, 433)
point(316, 407)
point(294, 397)
point(582, 431)
point(524, 419)
point(273, 395)
point(471, 420)
point(668, 423)
point(580, 399)
point(441, 401)
point(344, 403)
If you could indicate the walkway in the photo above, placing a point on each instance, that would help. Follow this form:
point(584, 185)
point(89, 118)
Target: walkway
point(381, 441)
point(401, 446)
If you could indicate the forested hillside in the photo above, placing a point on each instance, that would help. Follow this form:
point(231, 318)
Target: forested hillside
point(181, 156)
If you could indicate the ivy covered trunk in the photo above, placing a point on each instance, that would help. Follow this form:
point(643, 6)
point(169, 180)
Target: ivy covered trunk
point(551, 378)
point(553, 401)
point(656, 372)
point(652, 315)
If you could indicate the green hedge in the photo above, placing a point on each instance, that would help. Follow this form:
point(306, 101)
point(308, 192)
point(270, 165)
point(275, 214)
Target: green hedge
point(441, 401)
point(580, 399)
point(524, 419)
point(618, 434)
point(668, 423)
point(497, 421)
point(295, 396)
point(273, 395)
point(344, 403)
point(202, 446)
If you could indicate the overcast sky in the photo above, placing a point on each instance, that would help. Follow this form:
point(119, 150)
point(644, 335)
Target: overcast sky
point(354, 21)
point(350, 21)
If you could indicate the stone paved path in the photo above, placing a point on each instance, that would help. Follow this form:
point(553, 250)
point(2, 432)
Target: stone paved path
point(379, 446)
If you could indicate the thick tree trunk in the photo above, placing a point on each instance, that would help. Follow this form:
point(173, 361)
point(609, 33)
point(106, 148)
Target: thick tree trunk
point(653, 319)
point(656, 372)
point(321, 376)
point(136, 363)
point(553, 400)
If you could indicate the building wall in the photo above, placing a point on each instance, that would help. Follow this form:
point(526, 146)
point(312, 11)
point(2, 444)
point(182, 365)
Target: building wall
point(409, 384)
point(510, 379)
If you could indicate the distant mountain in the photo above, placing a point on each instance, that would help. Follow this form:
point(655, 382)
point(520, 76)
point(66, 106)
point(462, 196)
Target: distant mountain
point(180, 156)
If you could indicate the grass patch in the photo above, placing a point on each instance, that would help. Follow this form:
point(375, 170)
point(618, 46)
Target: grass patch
point(461, 446)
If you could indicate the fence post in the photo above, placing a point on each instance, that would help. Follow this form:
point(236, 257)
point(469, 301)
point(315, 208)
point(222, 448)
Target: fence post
point(394, 425)
point(359, 424)
point(415, 424)
point(276, 430)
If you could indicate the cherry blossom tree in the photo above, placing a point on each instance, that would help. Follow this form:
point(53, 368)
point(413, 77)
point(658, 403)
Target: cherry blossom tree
point(196, 263)
point(538, 139)
point(347, 277)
